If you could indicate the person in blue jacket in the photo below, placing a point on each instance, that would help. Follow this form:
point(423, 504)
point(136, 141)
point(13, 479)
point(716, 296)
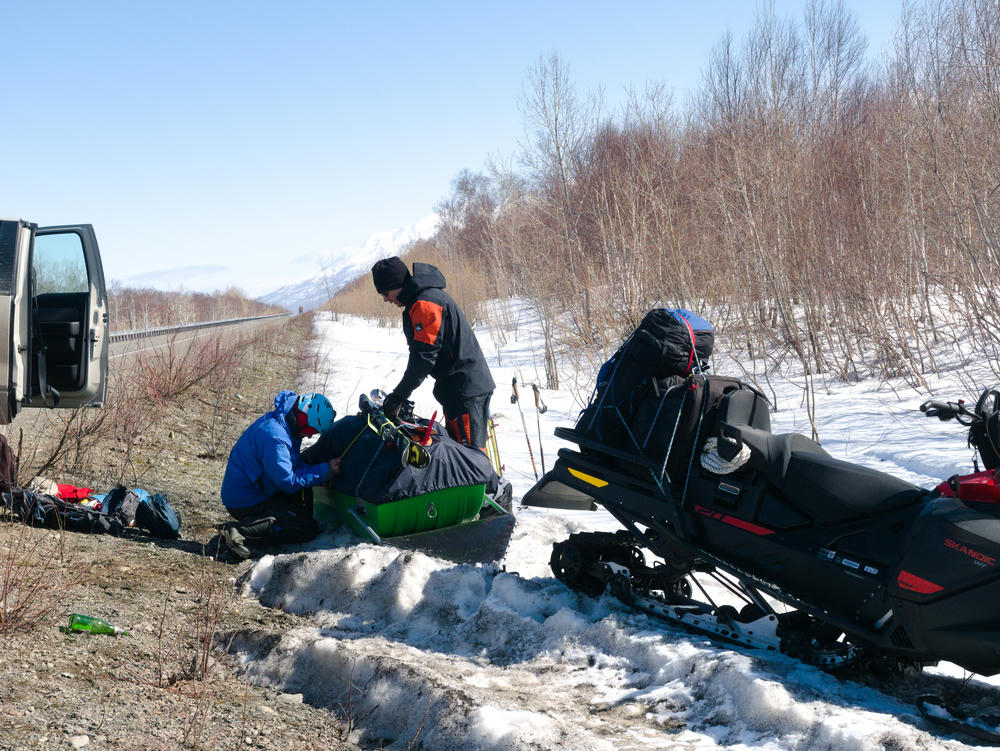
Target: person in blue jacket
point(267, 487)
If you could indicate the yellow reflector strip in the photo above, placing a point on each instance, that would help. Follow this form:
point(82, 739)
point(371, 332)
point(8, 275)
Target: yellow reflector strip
point(595, 481)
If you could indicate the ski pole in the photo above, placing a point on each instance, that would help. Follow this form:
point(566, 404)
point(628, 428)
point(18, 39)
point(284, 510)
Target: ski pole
point(539, 404)
point(515, 398)
point(540, 409)
point(494, 448)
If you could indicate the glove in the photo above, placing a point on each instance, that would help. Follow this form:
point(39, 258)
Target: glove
point(391, 405)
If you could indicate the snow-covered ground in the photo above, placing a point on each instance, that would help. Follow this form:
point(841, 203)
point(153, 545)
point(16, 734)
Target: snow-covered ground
point(421, 653)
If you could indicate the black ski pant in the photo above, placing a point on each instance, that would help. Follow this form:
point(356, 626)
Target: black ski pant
point(467, 421)
point(282, 518)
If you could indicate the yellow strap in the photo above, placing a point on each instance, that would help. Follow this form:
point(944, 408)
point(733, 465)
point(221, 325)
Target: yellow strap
point(360, 433)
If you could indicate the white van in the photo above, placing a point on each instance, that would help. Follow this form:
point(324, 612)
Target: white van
point(54, 307)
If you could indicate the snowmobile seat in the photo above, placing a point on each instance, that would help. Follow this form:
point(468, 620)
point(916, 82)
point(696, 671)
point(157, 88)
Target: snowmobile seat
point(828, 489)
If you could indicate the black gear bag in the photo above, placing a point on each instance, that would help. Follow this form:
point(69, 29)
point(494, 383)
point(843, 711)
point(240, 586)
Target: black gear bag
point(665, 348)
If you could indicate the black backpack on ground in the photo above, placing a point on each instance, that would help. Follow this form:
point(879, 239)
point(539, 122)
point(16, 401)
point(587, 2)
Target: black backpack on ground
point(155, 515)
point(116, 513)
point(120, 510)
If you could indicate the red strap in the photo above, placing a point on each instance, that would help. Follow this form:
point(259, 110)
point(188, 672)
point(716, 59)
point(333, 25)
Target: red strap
point(691, 332)
point(426, 440)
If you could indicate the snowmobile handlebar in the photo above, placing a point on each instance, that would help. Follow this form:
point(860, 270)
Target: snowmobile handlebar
point(945, 411)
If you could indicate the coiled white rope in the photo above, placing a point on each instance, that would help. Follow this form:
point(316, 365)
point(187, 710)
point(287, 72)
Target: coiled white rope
point(715, 464)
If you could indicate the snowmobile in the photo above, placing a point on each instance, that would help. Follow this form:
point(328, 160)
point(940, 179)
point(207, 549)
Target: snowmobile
point(405, 482)
point(830, 562)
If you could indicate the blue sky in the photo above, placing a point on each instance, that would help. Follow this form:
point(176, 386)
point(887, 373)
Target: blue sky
point(217, 144)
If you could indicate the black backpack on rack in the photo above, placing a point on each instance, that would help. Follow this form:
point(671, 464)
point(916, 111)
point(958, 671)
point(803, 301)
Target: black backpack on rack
point(664, 349)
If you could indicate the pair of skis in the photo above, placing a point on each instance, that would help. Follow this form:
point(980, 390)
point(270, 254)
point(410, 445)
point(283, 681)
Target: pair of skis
point(412, 453)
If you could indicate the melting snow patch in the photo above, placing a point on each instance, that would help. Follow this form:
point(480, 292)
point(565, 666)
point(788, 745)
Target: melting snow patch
point(511, 729)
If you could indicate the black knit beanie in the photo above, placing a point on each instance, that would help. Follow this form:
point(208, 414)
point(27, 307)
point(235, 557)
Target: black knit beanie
point(389, 273)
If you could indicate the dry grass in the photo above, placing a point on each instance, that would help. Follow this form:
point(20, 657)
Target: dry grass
point(35, 579)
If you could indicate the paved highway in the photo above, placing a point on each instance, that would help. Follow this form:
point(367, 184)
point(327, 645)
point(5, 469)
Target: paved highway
point(121, 350)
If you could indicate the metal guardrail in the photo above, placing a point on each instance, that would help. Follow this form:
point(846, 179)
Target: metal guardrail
point(124, 336)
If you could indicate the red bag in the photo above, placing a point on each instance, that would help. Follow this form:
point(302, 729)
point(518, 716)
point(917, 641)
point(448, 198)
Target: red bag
point(72, 492)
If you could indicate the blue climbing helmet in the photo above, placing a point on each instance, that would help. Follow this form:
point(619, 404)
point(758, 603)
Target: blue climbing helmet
point(318, 411)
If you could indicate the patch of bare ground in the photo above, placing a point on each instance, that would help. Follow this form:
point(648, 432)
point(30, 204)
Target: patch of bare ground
point(168, 684)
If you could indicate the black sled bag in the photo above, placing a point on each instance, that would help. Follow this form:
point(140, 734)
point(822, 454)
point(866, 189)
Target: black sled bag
point(372, 471)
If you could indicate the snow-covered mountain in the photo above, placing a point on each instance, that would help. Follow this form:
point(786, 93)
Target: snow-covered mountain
point(340, 268)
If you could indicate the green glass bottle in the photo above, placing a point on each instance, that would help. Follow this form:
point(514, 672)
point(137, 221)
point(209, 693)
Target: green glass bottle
point(92, 625)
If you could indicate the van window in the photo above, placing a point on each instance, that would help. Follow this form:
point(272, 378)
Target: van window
point(59, 263)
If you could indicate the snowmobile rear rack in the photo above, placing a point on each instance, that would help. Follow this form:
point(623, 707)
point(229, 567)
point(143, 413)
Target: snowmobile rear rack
point(570, 482)
point(549, 494)
point(631, 499)
point(589, 444)
point(655, 469)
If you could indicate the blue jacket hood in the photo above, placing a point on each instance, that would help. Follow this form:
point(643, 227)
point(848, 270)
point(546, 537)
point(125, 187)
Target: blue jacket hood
point(284, 401)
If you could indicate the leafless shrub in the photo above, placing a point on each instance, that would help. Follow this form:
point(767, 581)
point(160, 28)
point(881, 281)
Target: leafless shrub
point(187, 631)
point(35, 579)
point(131, 308)
point(353, 711)
point(140, 388)
point(173, 371)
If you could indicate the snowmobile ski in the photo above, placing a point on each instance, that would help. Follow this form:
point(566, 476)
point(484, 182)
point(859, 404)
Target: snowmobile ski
point(941, 712)
point(413, 454)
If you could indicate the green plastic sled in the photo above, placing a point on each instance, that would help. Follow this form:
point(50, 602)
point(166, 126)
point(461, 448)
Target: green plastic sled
point(422, 513)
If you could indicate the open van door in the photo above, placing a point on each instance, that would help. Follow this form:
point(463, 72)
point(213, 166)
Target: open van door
point(54, 309)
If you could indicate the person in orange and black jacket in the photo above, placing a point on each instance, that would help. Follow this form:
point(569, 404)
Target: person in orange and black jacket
point(442, 345)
